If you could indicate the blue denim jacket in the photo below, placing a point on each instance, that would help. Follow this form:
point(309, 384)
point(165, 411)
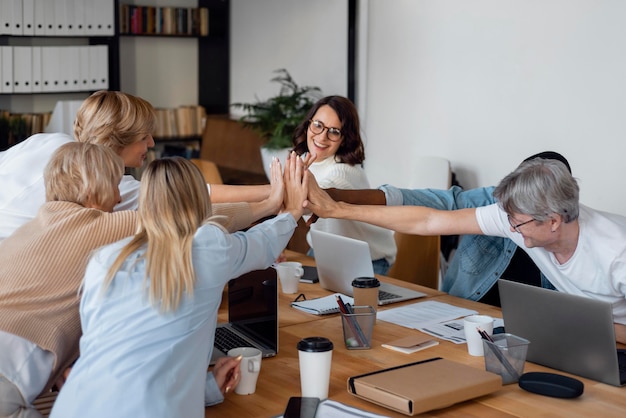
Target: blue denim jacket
point(479, 260)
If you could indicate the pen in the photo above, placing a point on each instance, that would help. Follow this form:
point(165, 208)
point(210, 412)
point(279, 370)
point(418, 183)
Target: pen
point(352, 322)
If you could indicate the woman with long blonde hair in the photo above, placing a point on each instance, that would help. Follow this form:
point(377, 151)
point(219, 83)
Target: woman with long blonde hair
point(149, 303)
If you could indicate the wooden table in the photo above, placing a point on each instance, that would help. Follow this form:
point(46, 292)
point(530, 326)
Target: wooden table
point(280, 379)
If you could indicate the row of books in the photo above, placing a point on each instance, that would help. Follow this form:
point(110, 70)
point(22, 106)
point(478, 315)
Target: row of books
point(15, 127)
point(34, 69)
point(149, 20)
point(180, 122)
point(57, 17)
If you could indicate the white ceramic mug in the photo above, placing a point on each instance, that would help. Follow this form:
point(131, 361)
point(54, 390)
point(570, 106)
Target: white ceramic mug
point(250, 367)
point(289, 273)
point(471, 324)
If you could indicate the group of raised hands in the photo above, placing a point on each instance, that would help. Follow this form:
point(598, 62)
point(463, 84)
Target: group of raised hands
point(296, 188)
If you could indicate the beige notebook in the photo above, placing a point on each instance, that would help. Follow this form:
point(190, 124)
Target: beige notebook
point(418, 387)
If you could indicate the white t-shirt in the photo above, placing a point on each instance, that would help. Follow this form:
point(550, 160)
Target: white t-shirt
point(330, 173)
point(598, 267)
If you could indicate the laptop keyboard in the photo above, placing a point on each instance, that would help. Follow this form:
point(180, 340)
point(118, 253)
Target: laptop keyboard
point(225, 339)
point(382, 295)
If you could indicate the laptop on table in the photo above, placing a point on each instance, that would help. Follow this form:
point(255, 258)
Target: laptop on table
point(567, 332)
point(252, 315)
point(340, 260)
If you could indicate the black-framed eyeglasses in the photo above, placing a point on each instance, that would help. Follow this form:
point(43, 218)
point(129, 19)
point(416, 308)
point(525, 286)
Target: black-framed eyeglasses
point(517, 227)
point(318, 127)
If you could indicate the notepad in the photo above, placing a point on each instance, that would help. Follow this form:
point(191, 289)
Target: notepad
point(411, 344)
point(322, 306)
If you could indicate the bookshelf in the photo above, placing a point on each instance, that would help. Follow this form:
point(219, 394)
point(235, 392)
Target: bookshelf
point(53, 50)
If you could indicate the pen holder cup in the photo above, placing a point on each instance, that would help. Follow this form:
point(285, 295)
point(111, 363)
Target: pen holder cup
point(506, 356)
point(358, 327)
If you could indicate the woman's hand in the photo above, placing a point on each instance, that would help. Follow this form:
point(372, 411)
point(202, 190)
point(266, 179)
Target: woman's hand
point(226, 373)
point(296, 179)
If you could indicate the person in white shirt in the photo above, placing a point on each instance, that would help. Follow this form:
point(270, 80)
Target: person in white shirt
point(580, 250)
point(331, 131)
point(124, 123)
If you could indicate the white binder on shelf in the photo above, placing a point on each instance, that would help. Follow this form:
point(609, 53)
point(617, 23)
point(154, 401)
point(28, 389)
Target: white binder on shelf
point(103, 16)
point(73, 68)
point(39, 14)
point(51, 68)
point(83, 65)
point(37, 70)
point(76, 18)
point(6, 17)
point(60, 18)
point(49, 18)
point(22, 69)
point(28, 17)
point(7, 69)
point(17, 18)
point(99, 67)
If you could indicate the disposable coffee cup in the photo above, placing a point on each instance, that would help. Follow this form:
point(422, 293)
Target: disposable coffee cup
point(365, 292)
point(315, 355)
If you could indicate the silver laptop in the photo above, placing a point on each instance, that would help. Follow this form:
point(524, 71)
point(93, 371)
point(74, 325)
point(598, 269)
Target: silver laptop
point(252, 315)
point(571, 333)
point(340, 260)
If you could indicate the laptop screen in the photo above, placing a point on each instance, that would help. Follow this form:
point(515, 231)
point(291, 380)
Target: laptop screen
point(253, 305)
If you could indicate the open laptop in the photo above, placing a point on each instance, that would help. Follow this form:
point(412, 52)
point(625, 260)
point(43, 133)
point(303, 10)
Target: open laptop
point(571, 333)
point(252, 315)
point(340, 260)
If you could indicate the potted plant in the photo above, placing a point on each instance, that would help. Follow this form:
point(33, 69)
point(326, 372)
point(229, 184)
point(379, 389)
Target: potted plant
point(276, 118)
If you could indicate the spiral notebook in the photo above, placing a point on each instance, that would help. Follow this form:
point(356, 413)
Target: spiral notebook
point(322, 306)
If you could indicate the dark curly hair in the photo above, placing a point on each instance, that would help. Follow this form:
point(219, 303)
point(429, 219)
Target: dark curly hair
point(351, 150)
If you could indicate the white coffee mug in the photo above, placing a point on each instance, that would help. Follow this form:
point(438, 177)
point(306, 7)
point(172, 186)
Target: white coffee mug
point(250, 367)
point(471, 324)
point(289, 273)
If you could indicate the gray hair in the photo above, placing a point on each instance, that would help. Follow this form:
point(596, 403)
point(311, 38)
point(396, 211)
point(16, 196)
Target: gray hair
point(539, 188)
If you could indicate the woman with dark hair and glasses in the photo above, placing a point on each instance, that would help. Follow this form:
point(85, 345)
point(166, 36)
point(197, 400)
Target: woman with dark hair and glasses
point(331, 131)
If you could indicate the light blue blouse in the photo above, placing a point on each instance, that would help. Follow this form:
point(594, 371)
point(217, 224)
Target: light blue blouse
point(138, 362)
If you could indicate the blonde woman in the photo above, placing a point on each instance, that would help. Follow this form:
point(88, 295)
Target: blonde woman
point(124, 123)
point(42, 265)
point(149, 303)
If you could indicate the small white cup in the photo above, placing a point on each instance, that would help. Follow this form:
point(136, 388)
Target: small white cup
point(289, 273)
point(249, 367)
point(471, 324)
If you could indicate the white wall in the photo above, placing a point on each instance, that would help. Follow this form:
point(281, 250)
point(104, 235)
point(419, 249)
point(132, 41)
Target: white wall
point(308, 38)
point(486, 83)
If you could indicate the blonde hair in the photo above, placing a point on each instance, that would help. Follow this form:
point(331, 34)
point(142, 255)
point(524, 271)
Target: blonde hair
point(173, 203)
point(114, 119)
point(83, 173)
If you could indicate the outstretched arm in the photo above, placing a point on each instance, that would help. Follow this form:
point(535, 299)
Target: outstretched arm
point(408, 219)
point(228, 193)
